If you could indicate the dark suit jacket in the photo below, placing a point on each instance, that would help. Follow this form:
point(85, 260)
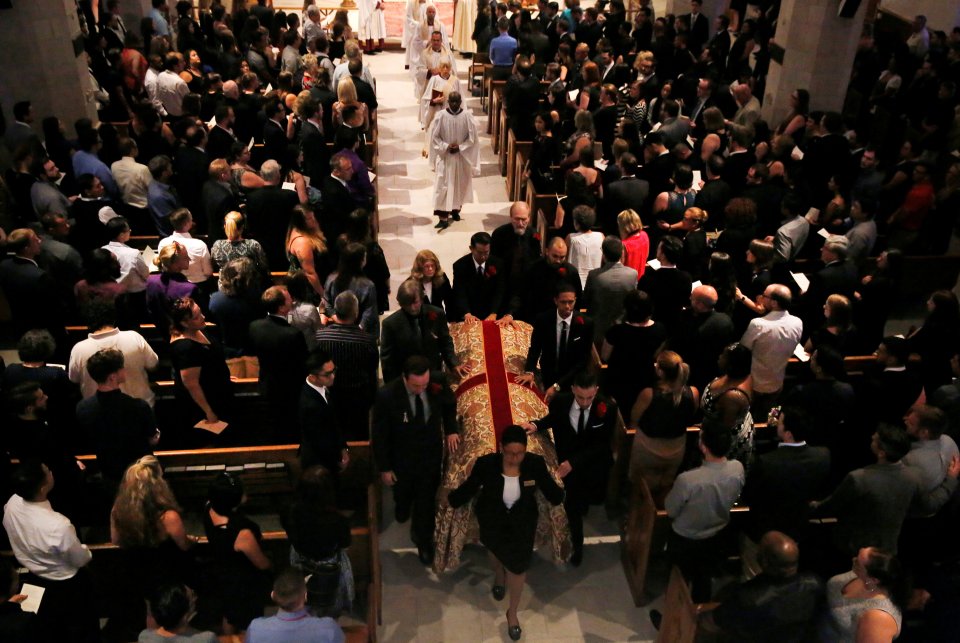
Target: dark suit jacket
point(735, 171)
point(701, 339)
point(588, 452)
point(521, 99)
point(780, 487)
point(399, 446)
point(337, 206)
point(316, 156)
point(886, 396)
point(365, 93)
point(699, 32)
point(246, 117)
point(669, 288)
point(479, 296)
point(626, 193)
point(543, 348)
point(32, 295)
point(321, 440)
point(275, 144)
point(219, 142)
point(605, 121)
point(540, 288)
point(505, 245)
point(659, 173)
point(326, 98)
point(216, 200)
point(399, 341)
point(282, 351)
point(191, 168)
point(268, 215)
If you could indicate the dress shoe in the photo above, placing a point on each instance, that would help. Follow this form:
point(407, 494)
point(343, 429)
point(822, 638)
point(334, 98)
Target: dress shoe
point(425, 554)
point(513, 631)
point(577, 557)
point(442, 224)
point(656, 617)
point(455, 215)
point(499, 591)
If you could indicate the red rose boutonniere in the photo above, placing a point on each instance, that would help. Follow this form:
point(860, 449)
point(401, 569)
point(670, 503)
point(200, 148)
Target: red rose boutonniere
point(435, 388)
point(578, 320)
point(432, 316)
point(491, 271)
point(536, 236)
point(601, 410)
point(562, 271)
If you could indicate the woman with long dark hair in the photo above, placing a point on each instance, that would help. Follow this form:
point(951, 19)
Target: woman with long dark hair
point(349, 276)
point(937, 340)
point(359, 230)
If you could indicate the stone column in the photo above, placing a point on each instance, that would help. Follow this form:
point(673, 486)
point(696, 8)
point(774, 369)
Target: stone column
point(819, 50)
point(42, 66)
point(132, 11)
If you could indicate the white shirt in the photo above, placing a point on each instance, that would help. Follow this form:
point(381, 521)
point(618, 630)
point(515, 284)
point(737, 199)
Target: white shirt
point(150, 84)
point(575, 416)
point(412, 400)
point(511, 490)
point(322, 390)
point(134, 271)
point(201, 265)
point(560, 322)
point(133, 179)
point(138, 358)
point(772, 339)
point(43, 540)
point(170, 92)
point(342, 71)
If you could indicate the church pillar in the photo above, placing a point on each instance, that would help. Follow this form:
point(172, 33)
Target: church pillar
point(819, 48)
point(43, 65)
point(132, 12)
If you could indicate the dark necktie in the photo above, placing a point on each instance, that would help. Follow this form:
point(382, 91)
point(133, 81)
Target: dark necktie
point(418, 404)
point(581, 420)
point(562, 345)
point(479, 271)
point(417, 332)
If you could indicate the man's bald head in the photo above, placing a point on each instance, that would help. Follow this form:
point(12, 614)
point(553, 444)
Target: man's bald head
point(779, 555)
point(556, 252)
point(778, 296)
point(703, 298)
point(519, 216)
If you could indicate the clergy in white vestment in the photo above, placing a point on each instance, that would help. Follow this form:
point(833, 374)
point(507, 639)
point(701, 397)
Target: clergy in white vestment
point(373, 26)
point(464, 16)
point(435, 96)
point(421, 41)
point(455, 157)
point(428, 63)
point(411, 26)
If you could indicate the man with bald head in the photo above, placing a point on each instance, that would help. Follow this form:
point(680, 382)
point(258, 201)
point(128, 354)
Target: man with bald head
point(701, 335)
point(542, 280)
point(772, 340)
point(515, 242)
point(779, 604)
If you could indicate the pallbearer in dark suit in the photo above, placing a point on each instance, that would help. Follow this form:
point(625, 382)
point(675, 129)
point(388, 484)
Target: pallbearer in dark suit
point(582, 421)
point(507, 511)
point(410, 417)
point(321, 439)
point(560, 343)
point(478, 282)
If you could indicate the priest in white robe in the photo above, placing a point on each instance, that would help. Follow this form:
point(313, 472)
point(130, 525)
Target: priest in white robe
point(422, 41)
point(428, 63)
point(373, 25)
point(435, 95)
point(455, 157)
point(464, 16)
point(415, 12)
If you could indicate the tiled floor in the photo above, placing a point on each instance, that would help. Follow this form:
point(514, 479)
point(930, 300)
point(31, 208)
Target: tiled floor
point(591, 603)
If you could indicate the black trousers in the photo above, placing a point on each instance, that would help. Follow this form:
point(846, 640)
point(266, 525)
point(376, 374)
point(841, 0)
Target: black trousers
point(699, 560)
point(415, 496)
point(68, 610)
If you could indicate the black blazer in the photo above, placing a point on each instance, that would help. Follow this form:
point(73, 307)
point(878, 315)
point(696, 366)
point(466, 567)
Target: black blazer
point(543, 348)
point(589, 452)
point(669, 288)
point(32, 295)
point(191, 167)
point(399, 446)
point(441, 296)
point(219, 142)
point(365, 94)
point(337, 205)
point(217, 200)
point(540, 288)
point(626, 193)
point(321, 440)
point(504, 244)
point(282, 351)
point(479, 296)
point(268, 215)
point(487, 478)
point(399, 341)
point(316, 156)
point(275, 143)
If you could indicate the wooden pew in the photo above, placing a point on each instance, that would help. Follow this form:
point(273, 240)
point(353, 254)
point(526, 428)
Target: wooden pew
point(493, 114)
point(679, 623)
point(477, 65)
point(516, 181)
point(545, 203)
point(485, 85)
point(501, 144)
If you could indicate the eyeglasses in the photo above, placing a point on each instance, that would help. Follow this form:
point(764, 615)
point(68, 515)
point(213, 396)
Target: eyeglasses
point(332, 371)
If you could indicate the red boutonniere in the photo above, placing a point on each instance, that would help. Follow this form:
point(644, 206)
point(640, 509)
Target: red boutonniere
point(601, 409)
point(435, 388)
point(578, 320)
point(536, 236)
point(432, 316)
point(562, 271)
point(491, 271)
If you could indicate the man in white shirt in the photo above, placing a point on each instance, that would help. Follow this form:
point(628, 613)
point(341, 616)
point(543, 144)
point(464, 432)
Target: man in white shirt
point(138, 357)
point(772, 338)
point(134, 270)
point(201, 266)
point(46, 544)
point(132, 178)
point(352, 51)
point(150, 83)
point(170, 87)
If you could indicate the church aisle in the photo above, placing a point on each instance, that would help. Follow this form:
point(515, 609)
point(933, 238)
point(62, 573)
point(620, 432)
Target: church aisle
point(559, 605)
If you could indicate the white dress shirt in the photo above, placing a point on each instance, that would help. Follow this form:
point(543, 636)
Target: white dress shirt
point(772, 339)
point(170, 92)
point(150, 84)
point(134, 271)
point(138, 358)
point(322, 390)
point(559, 327)
point(575, 416)
point(511, 490)
point(43, 540)
point(201, 265)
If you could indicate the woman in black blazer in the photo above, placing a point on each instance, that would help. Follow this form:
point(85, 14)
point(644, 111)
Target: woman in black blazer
point(435, 283)
point(507, 511)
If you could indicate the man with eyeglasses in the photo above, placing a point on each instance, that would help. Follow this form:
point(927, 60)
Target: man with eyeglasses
point(321, 440)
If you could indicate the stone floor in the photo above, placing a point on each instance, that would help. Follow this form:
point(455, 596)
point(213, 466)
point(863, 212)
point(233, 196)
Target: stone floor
point(590, 603)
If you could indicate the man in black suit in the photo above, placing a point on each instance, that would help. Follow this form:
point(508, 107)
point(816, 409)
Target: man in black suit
point(409, 416)
point(542, 280)
point(190, 167)
point(699, 32)
point(276, 146)
point(478, 282)
point(668, 287)
point(701, 335)
point(30, 291)
point(217, 199)
point(337, 201)
point(521, 96)
point(515, 243)
point(247, 112)
point(705, 88)
point(782, 483)
point(560, 343)
point(365, 91)
point(268, 214)
point(416, 329)
point(606, 118)
point(658, 171)
point(626, 193)
point(740, 159)
point(582, 421)
point(721, 42)
point(837, 277)
point(313, 145)
point(221, 137)
point(321, 440)
point(888, 395)
point(281, 350)
point(589, 30)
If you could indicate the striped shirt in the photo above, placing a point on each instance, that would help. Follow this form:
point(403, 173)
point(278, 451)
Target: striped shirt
point(354, 353)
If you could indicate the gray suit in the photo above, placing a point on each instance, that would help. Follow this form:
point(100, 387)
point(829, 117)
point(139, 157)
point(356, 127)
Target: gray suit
point(603, 295)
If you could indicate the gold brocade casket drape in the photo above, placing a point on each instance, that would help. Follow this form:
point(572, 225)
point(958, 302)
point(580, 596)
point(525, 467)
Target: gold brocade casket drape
point(494, 357)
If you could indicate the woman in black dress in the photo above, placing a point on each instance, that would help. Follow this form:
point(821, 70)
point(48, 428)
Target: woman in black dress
point(507, 511)
point(629, 347)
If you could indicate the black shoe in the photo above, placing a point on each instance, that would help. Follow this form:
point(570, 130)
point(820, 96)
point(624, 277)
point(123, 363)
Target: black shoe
point(406, 67)
point(455, 215)
point(372, 52)
point(425, 554)
point(499, 591)
point(442, 224)
point(656, 617)
point(513, 631)
point(577, 557)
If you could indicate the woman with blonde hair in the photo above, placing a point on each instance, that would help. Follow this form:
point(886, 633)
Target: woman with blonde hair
point(169, 284)
point(307, 248)
point(235, 246)
point(661, 415)
point(310, 69)
point(434, 282)
point(636, 243)
point(838, 331)
point(347, 95)
point(435, 92)
point(695, 248)
point(581, 139)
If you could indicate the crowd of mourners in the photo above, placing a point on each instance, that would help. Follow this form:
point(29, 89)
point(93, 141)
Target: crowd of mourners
point(696, 246)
